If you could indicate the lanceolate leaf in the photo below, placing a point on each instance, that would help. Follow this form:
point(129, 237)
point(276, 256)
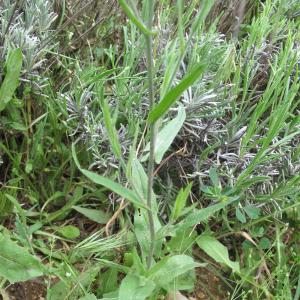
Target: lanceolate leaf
point(95, 215)
point(167, 135)
point(16, 264)
point(204, 214)
point(141, 227)
point(112, 134)
point(11, 80)
point(162, 107)
point(109, 184)
point(211, 246)
point(139, 179)
point(180, 201)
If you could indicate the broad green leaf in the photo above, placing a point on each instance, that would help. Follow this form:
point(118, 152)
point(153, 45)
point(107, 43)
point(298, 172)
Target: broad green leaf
point(212, 247)
point(252, 211)
point(170, 268)
point(167, 135)
point(180, 202)
point(109, 184)
point(134, 287)
point(95, 215)
point(69, 231)
point(16, 264)
point(162, 107)
point(141, 230)
point(264, 244)
point(11, 79)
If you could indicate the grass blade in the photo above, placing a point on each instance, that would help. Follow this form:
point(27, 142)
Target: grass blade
point(135, 19)
point(163, 106)
point(112, 134)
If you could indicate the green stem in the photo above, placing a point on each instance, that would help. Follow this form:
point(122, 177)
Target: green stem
point(152, 128)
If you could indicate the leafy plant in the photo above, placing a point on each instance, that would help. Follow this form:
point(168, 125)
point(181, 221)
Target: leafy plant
point(16, 263)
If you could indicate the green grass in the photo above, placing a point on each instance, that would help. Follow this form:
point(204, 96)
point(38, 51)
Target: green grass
point(226, 168)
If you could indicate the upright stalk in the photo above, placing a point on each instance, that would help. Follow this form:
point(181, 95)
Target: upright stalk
point(152, 128)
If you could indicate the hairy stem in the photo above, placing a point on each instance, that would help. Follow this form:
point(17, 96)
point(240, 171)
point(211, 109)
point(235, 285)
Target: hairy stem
point(152, 128)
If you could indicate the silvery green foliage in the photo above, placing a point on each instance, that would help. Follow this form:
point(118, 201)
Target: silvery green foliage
point(26, 25)
point(86, 124)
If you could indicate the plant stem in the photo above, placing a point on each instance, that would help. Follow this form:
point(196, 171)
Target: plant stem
point(152, 128)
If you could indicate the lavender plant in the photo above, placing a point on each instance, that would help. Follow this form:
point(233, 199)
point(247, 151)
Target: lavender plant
point(26, 25)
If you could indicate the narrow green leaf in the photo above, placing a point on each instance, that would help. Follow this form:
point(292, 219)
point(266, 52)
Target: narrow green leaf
point(16, 264)
point(204, 214)
point(109, 184)
point(11, 79)
point(206, 6)
point(135, 19)
point(141, 227)
point(240, 216)
point(112, 134)
point(180, 25)
point(297, 292)
point(162, 107)
point(95, 215)
point(180, 201)
point(139, 179)
point(212, 247)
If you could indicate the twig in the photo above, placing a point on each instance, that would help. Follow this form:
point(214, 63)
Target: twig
point(115, 216)
point(182, 150)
